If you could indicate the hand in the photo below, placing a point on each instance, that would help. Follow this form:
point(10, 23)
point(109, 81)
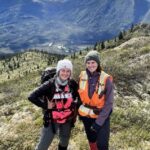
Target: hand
point(95, 127)
point(50, 104)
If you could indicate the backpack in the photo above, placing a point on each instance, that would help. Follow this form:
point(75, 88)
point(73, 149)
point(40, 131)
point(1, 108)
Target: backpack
point(47, 74)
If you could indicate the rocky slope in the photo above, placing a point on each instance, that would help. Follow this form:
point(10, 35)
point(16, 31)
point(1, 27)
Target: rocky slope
point(129, 65)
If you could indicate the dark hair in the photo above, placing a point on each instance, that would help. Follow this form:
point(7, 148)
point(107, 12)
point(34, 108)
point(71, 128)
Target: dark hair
point(99, 68)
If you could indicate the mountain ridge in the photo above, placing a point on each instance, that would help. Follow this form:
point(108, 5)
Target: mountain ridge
point(73, 24)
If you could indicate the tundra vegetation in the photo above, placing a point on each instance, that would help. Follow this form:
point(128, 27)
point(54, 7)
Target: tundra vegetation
point(125, 57)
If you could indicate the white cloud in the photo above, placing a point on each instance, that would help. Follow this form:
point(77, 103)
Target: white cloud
point(41, 1)
point(37, 1)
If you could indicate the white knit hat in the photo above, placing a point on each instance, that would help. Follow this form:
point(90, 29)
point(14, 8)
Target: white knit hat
point(65, 63)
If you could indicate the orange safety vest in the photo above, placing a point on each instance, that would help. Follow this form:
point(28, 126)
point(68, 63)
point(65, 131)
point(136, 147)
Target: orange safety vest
point(98, 98)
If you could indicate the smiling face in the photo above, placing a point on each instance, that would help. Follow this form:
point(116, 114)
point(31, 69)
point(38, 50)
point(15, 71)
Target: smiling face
point(64, 74)
point(91, 65)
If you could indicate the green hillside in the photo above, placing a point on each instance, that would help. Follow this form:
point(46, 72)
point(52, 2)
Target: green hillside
point(127, 62)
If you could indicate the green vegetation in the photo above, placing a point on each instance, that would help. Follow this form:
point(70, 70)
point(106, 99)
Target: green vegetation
point(127, 61)
point(142, 30)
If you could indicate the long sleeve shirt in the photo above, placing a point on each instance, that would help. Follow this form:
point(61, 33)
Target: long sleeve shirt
point(108, 106)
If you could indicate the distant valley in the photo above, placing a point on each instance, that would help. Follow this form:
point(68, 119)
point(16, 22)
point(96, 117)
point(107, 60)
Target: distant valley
point(65, 26)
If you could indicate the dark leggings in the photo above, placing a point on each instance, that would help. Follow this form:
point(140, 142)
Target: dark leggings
point(102, 137)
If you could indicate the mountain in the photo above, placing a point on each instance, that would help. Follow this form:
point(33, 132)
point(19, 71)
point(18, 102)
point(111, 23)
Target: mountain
point(65, 26)
point(127, 62)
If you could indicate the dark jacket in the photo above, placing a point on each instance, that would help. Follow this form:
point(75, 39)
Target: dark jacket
point(47, 90)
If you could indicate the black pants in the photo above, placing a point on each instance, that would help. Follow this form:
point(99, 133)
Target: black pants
point(102, 137)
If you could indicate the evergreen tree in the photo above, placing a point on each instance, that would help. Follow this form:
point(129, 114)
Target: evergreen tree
point(18, 65)
point(74, 55)
point(132, 26)
point(80, 53)
point(10, 67)
point(38, 66)
point(8, 77)
point(102, 45)
point(95, 46)
point(87, 49)
point(120, 36)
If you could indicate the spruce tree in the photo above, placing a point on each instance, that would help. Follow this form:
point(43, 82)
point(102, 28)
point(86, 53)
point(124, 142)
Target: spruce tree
point(120, 36)
point(102, 45)
point(80, 52)
point(132, 26)
point(95, 46)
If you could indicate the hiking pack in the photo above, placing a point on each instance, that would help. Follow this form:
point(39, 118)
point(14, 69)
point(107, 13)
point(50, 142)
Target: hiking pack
point(47, 74)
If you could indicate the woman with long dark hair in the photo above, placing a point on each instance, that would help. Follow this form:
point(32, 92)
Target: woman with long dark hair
point(96, 94)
